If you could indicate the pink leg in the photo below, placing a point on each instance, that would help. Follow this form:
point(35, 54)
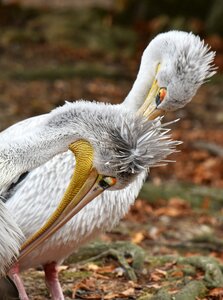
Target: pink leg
point(52, 281)
point(15, 277)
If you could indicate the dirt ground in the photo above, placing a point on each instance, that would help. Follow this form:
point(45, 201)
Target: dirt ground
point(170, 244)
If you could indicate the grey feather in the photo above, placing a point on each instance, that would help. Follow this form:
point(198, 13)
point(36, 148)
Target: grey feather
point(124, 144)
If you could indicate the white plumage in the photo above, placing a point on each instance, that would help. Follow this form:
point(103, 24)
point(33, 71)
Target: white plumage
point(185, 63)
point(103, 213)
point(125, 146)
point(11, 238)
point(43, 187)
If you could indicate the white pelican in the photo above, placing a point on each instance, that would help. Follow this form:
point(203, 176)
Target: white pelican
point(117, 144)
point(173, 67)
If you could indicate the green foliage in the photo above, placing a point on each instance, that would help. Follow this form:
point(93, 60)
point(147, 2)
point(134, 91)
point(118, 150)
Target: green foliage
point(193, 194)
point(87, 28)
point(80, 70)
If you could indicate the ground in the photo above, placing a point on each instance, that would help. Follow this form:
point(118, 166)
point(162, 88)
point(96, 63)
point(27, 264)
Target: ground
point(172, 237)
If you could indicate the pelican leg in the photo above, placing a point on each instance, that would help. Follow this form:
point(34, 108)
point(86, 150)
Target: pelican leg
point(52, 281)
point(15, 277)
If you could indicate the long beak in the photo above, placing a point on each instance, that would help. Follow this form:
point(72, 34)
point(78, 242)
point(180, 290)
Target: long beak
point(85, 185)
point(156, 94)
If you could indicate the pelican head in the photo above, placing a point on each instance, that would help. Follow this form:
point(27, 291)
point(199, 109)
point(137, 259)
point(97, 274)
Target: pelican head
point(128, 147)
point(123, 143)
point(112, 146)
point(173, 67)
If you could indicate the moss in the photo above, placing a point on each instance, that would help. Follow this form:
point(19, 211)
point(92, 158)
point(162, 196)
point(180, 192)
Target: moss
point(65, 275)
point(84, 70)
point(161, 295)
point(192, 291)
point(189, 271)
point(117, 250)
point(193, 194)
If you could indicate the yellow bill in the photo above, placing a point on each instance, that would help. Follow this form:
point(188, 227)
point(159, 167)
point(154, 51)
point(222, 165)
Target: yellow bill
point(156, 95)
point(85, 185)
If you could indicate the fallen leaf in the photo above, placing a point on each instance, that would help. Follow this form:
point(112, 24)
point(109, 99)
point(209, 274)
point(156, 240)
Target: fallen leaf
point(100, 276)
point(177, 273)
point(169, 211)
point(128, 292)
point(162, 272)
point(62, 268)
point(106, 269)
point(138, 237)
point(158, 274)
point(216, 292)
point(92, 267)
point(154, 286)
point(86, 284)
point(111, 296)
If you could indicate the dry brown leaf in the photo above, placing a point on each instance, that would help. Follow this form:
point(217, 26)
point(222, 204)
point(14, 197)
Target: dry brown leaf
point(111, 296)
point(154, 286)
point(177, 273)
point(138, 237)
point(155, 277)
point(161, 272)
point(100, 276)
point(106, 269)
point(62, 268)
point(216, 292)
point(169, 211)
point(86, 284)
point(128, 292)
point(92, 267)
point(158, 274)
point(178, 203)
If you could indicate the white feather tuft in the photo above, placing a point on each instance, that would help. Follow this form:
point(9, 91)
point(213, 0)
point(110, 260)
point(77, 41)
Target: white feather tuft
point(185, 64)
point(11, 238)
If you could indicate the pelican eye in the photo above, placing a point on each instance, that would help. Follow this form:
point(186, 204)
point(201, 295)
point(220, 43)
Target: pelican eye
point(107, 182)
point(160, 95)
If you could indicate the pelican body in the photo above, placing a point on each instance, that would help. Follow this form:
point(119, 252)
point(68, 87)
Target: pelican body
point(124, 147)
point(173, 67)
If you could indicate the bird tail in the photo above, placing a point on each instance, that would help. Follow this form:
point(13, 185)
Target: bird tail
point(11, 238)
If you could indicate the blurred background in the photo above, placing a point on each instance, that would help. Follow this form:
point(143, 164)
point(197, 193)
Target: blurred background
point(57, 50)
point(52, 51)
